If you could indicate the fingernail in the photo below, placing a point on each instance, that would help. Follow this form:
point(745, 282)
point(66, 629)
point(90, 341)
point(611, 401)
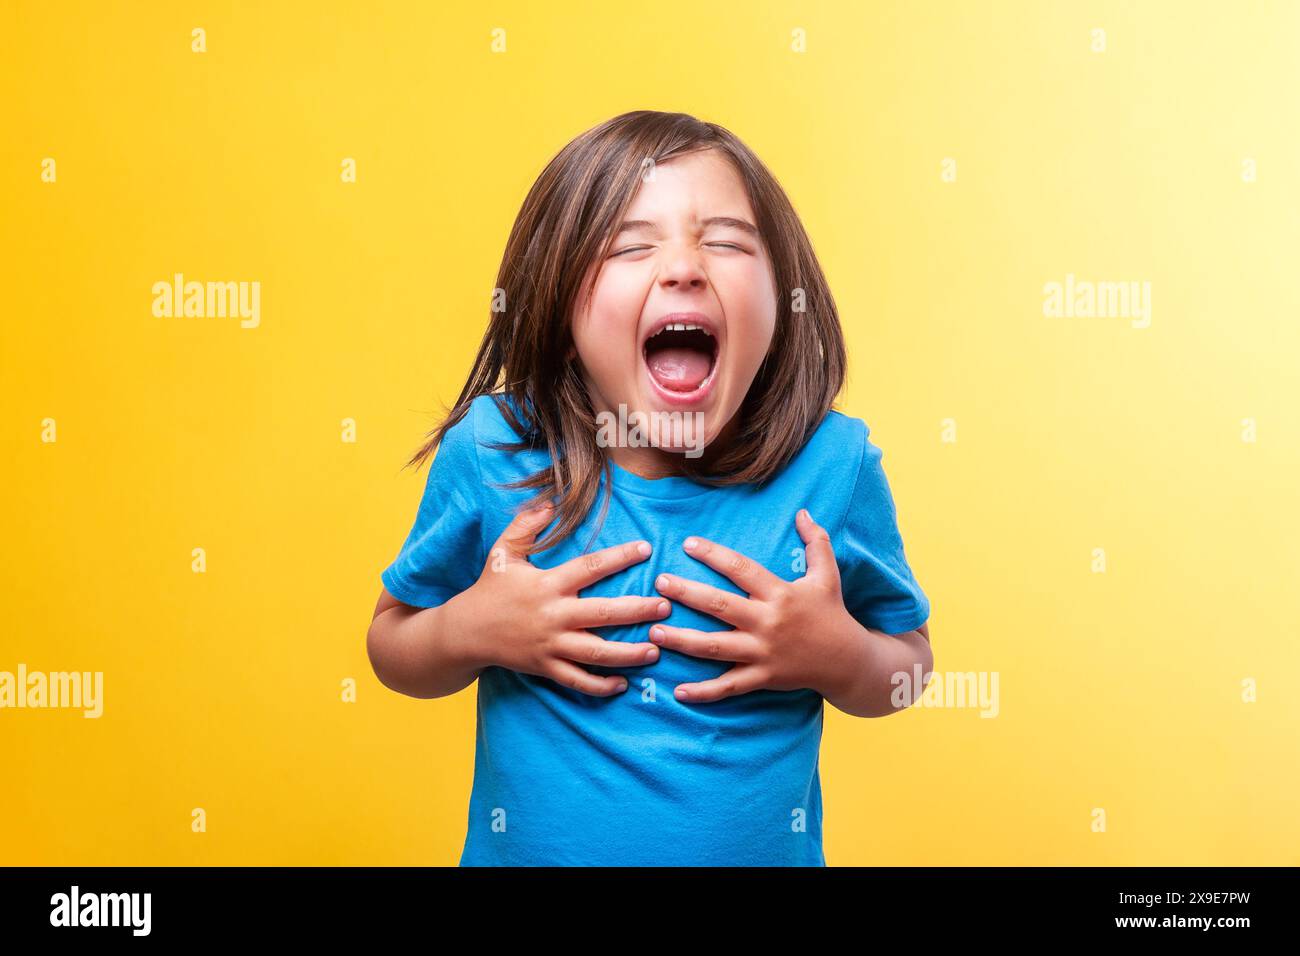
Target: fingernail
point(643, 549)
point(681, 694)
point(651, 653)
point(690, 544)
point(657, 634)
point(662, 582)
point(804, 512)
point(622, 685)
point(663, 607)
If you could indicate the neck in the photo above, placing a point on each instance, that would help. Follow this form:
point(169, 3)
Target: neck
point(650, 462)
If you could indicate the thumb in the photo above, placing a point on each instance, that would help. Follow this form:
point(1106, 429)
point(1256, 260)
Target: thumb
point(514, 542)
point(817, 547)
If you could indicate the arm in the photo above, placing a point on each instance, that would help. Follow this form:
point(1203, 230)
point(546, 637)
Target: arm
point(514, 616)
point(878, 586)
point(420, 652)
point(790, 635)
point(861, 683)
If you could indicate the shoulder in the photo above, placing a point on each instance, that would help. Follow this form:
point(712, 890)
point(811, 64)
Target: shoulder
point(459, 445)
point(854, 437)
point(482, 424)
point(839, 425)
point(832, 454)
point(849, 470)
point(841, 438)
point(489, 422)
point(487, 428)
point(824, 473)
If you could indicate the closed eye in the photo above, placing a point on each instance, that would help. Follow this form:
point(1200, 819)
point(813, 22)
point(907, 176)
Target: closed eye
point(727, 245)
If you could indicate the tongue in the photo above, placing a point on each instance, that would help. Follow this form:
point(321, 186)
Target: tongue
point(679, 369)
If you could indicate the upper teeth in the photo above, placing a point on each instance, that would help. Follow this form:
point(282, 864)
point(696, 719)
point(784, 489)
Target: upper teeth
point(682, 327)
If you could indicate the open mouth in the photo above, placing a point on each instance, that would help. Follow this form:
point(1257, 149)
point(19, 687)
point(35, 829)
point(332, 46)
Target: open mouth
point(681, 357)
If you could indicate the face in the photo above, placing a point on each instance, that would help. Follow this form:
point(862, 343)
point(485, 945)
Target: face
point(683, 307)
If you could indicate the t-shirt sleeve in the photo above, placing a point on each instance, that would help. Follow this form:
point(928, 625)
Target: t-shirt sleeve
point(879, 588)
point(443, 554)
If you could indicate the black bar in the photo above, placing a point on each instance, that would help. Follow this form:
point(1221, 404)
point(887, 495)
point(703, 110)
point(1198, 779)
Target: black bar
point(981, 905)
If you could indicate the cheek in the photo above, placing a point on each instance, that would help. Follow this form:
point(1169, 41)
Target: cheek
point(751, 314)
point(595, 327)
point(605, 336)
point(615, 311)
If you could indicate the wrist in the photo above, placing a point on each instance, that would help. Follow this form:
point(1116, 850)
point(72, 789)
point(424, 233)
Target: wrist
point(459, 627)
point(847, 661)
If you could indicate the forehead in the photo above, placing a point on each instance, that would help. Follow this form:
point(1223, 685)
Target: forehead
point(700, 184)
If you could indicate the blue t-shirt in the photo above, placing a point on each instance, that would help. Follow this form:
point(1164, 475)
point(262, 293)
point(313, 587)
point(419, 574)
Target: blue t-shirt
point(563, 778)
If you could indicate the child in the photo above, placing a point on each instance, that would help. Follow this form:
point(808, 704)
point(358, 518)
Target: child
point(656, 272)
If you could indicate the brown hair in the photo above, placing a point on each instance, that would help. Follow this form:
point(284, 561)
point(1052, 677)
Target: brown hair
point(562, 231)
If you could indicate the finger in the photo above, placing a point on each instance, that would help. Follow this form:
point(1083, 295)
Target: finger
point(598, 612)
point(580, 572)
point(735, 609)
point(572, 676)
point(513, 542)
point(746, 573)
point(818, 549)
point(711, 645)
point(584, 648)
point(739, 680)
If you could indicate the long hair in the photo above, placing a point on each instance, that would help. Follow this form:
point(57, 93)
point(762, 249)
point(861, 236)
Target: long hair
point(562, 231)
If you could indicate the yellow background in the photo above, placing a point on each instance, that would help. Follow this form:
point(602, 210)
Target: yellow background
point(1119, 690)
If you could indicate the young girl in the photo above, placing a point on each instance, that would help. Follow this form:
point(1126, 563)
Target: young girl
point(651, 672)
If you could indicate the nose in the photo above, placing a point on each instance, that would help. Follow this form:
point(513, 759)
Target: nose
point(683, 269)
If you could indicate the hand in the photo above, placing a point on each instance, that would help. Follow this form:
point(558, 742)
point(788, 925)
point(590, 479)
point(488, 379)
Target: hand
point(788, 635)
point(531, 620)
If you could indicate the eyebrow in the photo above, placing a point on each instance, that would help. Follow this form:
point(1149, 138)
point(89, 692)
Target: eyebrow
point(636, 225)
